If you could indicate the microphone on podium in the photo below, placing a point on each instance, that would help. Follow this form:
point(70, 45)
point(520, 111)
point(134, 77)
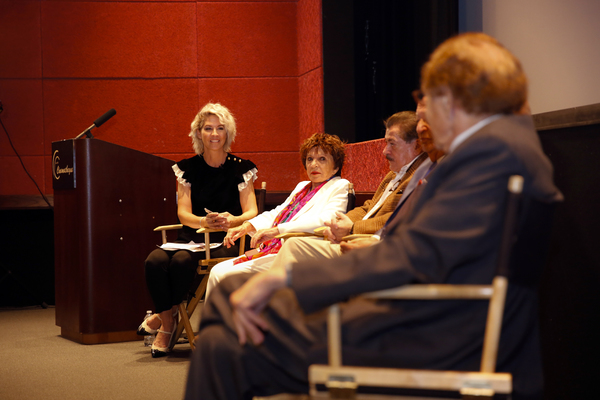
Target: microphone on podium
point(105, 117)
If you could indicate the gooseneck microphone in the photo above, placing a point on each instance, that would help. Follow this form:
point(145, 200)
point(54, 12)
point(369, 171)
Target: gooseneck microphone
point(105, 117)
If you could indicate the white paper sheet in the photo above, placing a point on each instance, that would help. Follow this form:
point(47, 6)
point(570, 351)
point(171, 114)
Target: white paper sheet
point(191, 246)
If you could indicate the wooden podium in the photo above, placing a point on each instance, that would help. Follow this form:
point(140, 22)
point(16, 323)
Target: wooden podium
point(107, 200)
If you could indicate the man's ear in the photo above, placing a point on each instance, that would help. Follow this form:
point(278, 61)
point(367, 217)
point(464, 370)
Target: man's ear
point(417, 145)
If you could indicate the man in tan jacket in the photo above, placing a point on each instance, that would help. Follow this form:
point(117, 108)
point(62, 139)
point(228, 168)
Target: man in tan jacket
point(404, 154)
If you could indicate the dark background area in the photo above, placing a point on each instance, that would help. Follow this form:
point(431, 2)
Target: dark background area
point(569, 293)
point(27, 263)
point(372, 57)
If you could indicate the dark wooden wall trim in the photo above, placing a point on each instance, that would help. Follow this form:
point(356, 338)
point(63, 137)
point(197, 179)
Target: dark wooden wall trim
point(25, 202)
point(33, 202)
point(569, 117)
point(274, 199)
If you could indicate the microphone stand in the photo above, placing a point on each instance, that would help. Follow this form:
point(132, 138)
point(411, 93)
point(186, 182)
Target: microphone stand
point(87, 133)
point(105, 117)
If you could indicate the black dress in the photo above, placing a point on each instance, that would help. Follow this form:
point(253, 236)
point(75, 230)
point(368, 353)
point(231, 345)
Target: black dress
point(169, 274)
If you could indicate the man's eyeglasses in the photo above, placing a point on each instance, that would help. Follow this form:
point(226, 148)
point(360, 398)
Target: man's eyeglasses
point(418, 95)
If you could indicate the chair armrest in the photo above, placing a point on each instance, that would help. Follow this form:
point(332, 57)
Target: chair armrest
point(355, 236)
point(295, 234)
point(164, 228)
point(168, 227)
point(209, 230)
point(463, 382)
point(433, 292)
point(211, 263)
point(317, 233)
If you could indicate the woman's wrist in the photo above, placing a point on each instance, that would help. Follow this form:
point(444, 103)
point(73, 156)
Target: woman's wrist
point(201, 221)
point(248, 227)
point(235, 221)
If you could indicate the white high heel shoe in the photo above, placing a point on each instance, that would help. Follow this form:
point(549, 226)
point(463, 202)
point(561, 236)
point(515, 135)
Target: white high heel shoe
point(163, 351)
point(144, 329)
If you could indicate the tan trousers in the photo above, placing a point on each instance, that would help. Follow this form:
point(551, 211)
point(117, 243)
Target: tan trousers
point(293, 250)
point(305, 248)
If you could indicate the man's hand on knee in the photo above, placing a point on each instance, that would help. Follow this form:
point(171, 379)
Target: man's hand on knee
point(249, 300)
point(357, 244)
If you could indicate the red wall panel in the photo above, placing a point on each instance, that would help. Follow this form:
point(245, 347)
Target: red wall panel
point(365, 165)
point(248, 1)
point(23, 117)
point(119, 39)
point(247, 39)
point(278, 169)
point(157, 62)
point(266, 110)
point(310, 109)
point(20, 44)
point(310, 27)
point(153, 116)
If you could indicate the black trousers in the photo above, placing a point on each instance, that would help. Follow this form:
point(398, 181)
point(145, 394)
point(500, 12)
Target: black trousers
point(169, 274)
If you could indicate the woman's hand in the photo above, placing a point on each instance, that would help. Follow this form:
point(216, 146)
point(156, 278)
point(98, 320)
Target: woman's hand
point(218, 221)
point(212, 221)
point(224, 220)
point(234, 234)
point(263, 235)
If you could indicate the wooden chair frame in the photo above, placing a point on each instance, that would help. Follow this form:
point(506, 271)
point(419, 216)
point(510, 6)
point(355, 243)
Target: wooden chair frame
point(344, 380)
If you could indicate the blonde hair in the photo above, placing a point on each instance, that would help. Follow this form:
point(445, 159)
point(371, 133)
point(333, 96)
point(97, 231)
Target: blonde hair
point(225, 117)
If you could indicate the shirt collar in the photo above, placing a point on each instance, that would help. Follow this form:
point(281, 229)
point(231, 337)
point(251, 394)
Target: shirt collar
point(405, 168)
point(461, 137)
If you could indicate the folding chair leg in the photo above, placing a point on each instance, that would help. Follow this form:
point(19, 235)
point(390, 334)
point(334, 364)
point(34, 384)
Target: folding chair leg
point(186, 323)
point(180, 326)
point(186, 312)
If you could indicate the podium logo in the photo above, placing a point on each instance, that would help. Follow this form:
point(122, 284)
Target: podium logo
point(56, 170)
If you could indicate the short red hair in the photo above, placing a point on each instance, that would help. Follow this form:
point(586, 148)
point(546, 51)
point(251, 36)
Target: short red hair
point(480, 73)
point(330, 144)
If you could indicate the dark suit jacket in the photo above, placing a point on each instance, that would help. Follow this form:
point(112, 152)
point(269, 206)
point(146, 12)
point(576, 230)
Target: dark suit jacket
point(451, 235)
point(379, 218)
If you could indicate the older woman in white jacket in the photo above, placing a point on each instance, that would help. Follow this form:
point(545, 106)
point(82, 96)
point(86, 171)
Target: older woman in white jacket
point(308, 207)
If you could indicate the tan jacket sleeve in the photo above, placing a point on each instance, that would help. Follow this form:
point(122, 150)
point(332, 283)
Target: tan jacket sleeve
point(378, 220)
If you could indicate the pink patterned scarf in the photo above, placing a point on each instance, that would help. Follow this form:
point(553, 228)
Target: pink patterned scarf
point(298, 201)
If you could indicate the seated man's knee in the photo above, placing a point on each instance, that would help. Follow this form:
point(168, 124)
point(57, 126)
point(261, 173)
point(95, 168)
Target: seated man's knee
point(215, 339)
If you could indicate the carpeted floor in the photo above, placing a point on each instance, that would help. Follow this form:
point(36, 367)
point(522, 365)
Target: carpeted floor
point(37, 363)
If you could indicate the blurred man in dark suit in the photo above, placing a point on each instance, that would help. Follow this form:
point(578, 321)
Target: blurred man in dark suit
point(260, 332)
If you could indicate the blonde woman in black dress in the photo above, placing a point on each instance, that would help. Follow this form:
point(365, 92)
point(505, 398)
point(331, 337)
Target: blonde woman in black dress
point(213, 180)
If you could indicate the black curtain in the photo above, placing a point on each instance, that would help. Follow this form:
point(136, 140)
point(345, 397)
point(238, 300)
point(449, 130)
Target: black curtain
point(373, 51)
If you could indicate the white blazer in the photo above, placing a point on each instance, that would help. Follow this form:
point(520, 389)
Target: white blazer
point(332, 197)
